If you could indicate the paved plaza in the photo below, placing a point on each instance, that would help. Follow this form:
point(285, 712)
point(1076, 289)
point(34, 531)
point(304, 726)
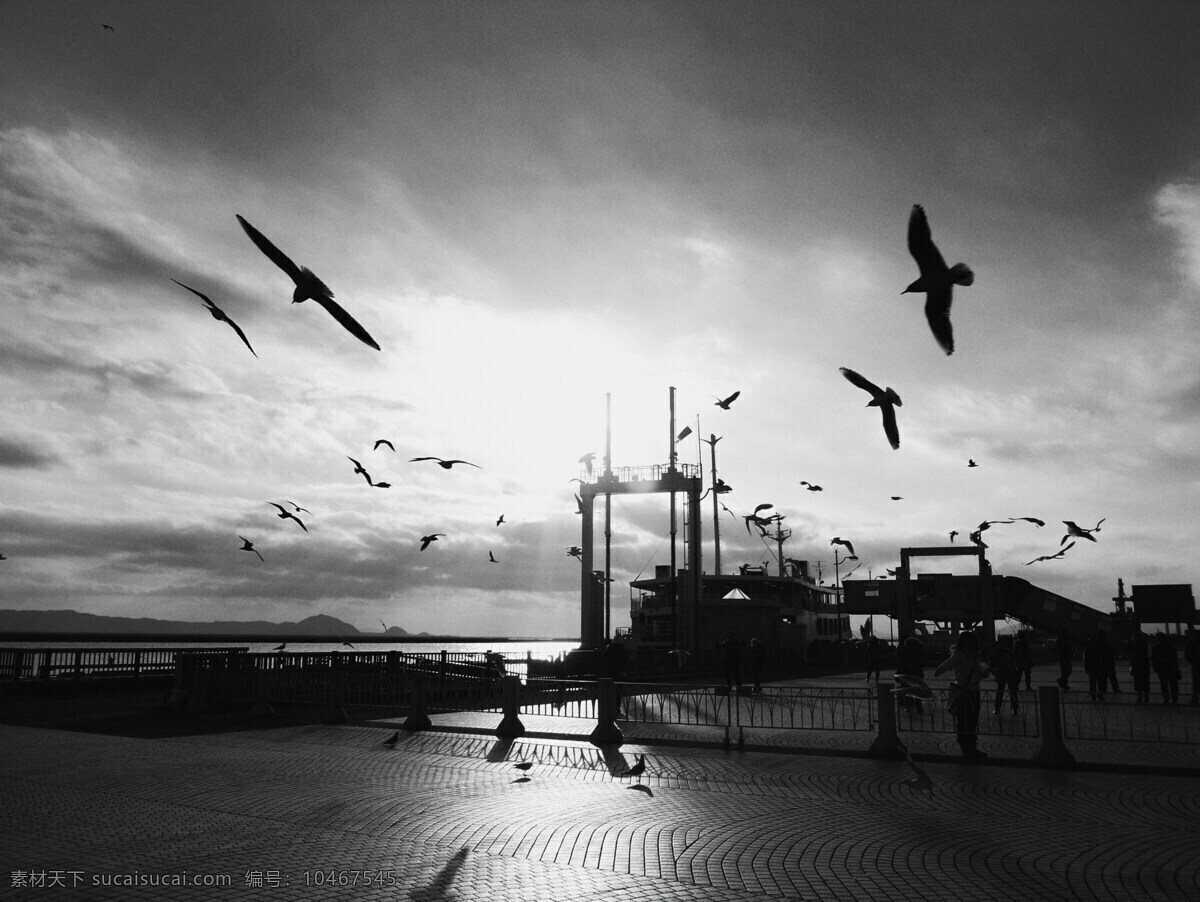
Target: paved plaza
point(330, 812)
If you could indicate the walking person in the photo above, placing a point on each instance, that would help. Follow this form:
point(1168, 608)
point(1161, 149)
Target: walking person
point(1165, 661)
point(1095, 667)
point(1139, 666)
point(758, 654)
point(1008, 676)
point(1062, 650)
point(1191, 654)
point(1110, 658)
point(968, 669)
point(1024, 660)
point(874, 653)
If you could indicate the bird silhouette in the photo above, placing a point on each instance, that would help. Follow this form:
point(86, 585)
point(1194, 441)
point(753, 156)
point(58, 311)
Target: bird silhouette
point(308, 286)
point(724, 403)
point(218, 314)
point(384, 625)
point(971, 462)
point(575, 551)
point(247, 545)
point(492, 558)
point(953, 533)
point(359, 468)
point(381, 485)
point(524, 765)
point(1080, 532)
point(1034, 520)
point(838, 540)
point(106, 27)
point(3, 558)
point(445, 464)
point(588, 460)
point(885, 399)
point(637, 770)
point(426, 540)
point(298, 508)
point(346, 642)
point(500, 520)
point(937, 280)
point(383, 441)
point(811, 486)
point(1051, 557)
point(391, 741)
point(285, 514)
point(897, 497)
point(977, 538)
point(281, 646)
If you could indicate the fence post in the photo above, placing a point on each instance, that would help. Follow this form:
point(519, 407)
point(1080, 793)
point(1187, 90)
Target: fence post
point(886, 744)
point(1052, 752)
point(417, 718)
point(18, 665)
point(510, 700)
point(335, 713)
point(607, 732)
point(262, 707)
point(137, 663)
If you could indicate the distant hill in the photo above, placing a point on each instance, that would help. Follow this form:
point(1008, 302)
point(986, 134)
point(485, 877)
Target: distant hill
point(75, 622)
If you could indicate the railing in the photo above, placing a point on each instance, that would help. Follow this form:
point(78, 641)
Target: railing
point(809, 709)
point(651, 473)
point(18, 664)
point(932, 716)
point(1130, 722)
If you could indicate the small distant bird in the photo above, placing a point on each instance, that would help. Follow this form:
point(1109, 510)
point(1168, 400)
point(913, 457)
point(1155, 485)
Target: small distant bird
point(683, 433)
point(391, 741)
point(500, 520)
point(838, 540)
point(681, 655)
point(890, 572)
point(247, 545)
point(218, 314)
point(106, 27)
point(811, 487)
point(308, 286)
point(1034, 520)
point(358, 468)
point(763, 507)
point(285, 514)
point(937, 280)
point(426, 540)
point(3, 558)
point(384, 625)
point(588, 460)
point(724, 404)
point(1051, 557)
point(381, 485)
point(281, 646)
point(445, 464)
point(346, 642)
point(575, 551)
point(637, 770)
point(897, 497)
point(492, 558)
point(971, 462)
point(383, 441)
point(1080, 532)
point(986, 524)
point(524, 765)
point(885, 399)
point(298, 507)
point(953, 533)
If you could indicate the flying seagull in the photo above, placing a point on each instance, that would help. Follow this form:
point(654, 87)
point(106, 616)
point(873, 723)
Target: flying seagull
point(308, 286)
point(425, 540)
point(588, 460)
point(218, 314)
point(897, 497)
point(812, 487)
point(575, 551)
point(971, 462)
point(358, 468)
point(724, 404)
point(838, 540)
point(885, 399)
point(953, 533)
point(1034, 520)
point(1081, 532)
point(298, 507)
point(285, 514)
point(346, 642)
point(492, 558)
point(247, 545)
point(637, 770)
point(937, 280)
point(1051, 557)
point(383, 441)
point(106, 27)
point(500, 520)
point(445, 464)
point(281, 646)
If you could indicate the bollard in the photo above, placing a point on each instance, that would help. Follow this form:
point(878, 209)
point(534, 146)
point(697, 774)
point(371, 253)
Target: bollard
point(510, 700)
point(262, 706)
point(335, 713)
point(1053, 752)
point(417, 719)
point(607, 732)
point(886, 744)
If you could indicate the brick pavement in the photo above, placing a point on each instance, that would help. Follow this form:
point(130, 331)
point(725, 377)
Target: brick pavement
point(443, 814)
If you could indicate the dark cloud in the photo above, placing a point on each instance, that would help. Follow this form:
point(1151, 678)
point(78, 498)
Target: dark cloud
point(20, 455)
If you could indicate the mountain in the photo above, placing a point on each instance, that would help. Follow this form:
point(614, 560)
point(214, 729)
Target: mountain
point(76, 622)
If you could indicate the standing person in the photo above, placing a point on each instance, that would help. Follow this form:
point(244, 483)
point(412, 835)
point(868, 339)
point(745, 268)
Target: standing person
point(873, 656)
point(733, 660)
point(614, 667)
point(1110, 660)
point(758, 654)
point(1024, 660)
point(1008, 676)
point(1062, 650)
point(1139, 665)
point(1191, 654)
point(1165, 661)
point(1095, 667)
point(968, 669)
point(910, 661)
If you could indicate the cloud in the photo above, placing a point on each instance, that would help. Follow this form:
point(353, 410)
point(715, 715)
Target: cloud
point(16, 454)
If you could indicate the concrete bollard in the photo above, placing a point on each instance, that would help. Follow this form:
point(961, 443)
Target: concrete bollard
point(607, 732)
point(335, 713)
point(886, 743)
point(417, 719)
point(510, 700)
point(1053, 752)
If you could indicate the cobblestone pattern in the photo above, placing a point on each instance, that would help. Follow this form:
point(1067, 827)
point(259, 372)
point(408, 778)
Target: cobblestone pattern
point(704, 823)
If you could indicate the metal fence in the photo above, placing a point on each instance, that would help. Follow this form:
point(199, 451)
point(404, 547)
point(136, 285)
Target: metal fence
point(933, 716)
point(18, 664)
point(1130, 722)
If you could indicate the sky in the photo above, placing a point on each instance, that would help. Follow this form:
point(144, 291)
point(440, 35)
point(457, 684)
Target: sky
point(532, 207)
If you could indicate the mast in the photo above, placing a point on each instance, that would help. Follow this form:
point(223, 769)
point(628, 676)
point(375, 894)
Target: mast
point(712, 440)
point(674, 577)
point(608, 516)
